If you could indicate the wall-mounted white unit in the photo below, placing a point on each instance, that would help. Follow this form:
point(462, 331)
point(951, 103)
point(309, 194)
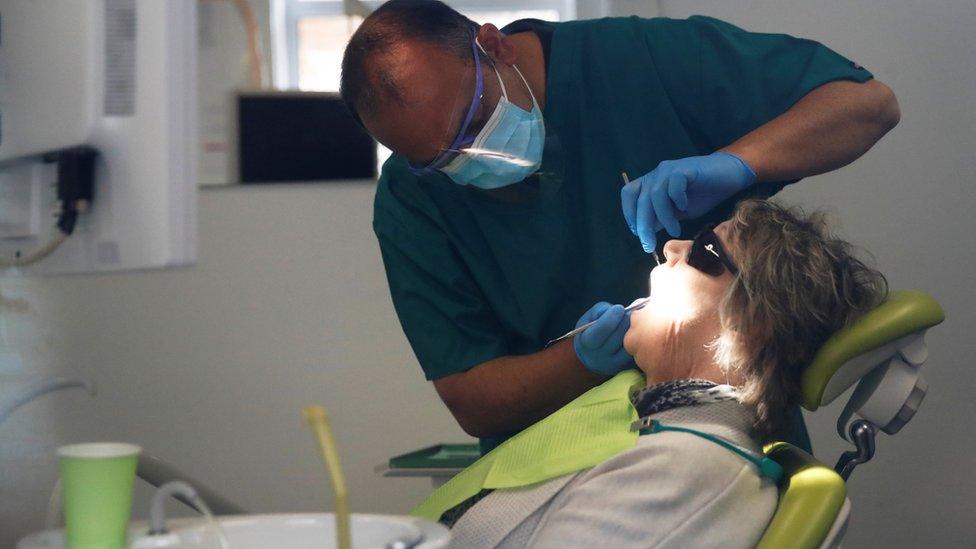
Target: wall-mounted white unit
point(119, 76)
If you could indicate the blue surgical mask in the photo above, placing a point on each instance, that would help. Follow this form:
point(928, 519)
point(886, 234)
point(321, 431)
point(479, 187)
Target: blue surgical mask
point(507, 150)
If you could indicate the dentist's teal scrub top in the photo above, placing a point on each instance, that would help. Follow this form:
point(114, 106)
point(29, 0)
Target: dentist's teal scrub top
point(474, 277)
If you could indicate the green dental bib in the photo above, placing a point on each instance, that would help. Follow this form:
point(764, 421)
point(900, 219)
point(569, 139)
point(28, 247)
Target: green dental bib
point(592, 428)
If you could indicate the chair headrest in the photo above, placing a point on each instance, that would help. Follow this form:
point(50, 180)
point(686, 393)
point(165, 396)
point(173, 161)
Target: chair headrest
point(895, 326)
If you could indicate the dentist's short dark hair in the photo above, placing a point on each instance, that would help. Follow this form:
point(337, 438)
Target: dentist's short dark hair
point(366, 79)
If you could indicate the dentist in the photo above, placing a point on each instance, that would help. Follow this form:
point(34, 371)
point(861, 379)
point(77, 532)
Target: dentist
point(499, 214)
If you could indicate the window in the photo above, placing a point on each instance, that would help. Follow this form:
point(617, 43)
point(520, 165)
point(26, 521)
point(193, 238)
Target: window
point(309, 36)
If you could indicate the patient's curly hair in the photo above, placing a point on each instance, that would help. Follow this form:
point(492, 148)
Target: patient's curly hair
point(797, 285)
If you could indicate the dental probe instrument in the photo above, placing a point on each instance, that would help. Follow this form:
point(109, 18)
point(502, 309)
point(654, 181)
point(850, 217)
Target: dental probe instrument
point(639, 304)
point(653, 252)
point(319, 422)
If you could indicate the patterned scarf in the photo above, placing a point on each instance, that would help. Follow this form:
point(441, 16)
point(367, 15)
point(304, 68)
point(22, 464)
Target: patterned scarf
point(680, 392)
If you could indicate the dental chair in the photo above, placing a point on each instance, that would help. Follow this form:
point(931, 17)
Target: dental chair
point(882, 353)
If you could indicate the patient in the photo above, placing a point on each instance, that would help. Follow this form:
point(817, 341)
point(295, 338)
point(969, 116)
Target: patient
point(733, 318)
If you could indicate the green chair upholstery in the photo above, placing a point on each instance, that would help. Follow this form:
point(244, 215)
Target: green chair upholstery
point(812, 498)
point(898, 324)
point(882, 353)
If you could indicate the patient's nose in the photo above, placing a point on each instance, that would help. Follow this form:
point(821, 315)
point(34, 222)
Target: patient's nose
point(675, 250)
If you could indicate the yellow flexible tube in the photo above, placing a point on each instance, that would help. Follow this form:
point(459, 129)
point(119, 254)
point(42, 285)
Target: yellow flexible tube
point(319, 421)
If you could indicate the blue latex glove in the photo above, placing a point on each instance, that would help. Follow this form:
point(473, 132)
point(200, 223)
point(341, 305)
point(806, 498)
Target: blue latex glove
point(601, 346)
point(681, 189)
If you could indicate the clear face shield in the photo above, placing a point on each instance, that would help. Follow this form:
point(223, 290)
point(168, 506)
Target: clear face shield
point(497, 143)
point(469, 102)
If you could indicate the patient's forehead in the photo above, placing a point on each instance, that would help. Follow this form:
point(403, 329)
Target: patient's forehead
point(722, 232)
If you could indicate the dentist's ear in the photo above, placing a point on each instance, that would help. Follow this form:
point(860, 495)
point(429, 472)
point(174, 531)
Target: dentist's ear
point(495, 44)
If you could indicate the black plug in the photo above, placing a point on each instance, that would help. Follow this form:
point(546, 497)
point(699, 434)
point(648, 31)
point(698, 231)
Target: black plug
point(76, 182)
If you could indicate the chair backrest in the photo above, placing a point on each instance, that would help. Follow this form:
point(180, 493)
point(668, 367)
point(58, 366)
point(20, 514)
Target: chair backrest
point(882, 353)
point(813, 506)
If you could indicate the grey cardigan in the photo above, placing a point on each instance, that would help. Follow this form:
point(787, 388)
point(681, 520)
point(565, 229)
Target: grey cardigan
point(671, 490)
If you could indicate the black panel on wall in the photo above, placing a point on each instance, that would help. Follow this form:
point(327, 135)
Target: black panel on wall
point(300, 136)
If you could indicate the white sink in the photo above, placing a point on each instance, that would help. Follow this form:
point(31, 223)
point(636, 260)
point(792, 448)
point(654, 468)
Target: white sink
point(292, 531)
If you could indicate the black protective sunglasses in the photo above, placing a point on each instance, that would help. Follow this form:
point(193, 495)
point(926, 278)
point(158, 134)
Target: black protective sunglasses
point(708, 255)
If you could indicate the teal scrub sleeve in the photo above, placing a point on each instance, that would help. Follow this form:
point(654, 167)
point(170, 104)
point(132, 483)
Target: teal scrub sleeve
point(724, 82)
point(443, 313)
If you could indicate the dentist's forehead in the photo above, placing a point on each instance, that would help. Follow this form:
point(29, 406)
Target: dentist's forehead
point(434, 88)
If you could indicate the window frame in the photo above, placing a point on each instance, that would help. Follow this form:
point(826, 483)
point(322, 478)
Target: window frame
point(285, 15)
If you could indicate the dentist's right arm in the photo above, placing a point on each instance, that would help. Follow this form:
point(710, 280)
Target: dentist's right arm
point(510, 393)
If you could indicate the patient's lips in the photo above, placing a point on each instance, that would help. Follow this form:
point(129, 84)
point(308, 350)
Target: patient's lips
point(670, 296)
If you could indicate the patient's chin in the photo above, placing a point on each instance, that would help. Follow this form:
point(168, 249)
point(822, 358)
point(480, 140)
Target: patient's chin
point(637, 345)
point(629, 342)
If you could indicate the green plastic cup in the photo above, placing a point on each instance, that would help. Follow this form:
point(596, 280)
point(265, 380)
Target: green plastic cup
point(96, 481)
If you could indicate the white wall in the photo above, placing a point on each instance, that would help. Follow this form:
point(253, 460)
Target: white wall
point(910, 201)
point(210, 366)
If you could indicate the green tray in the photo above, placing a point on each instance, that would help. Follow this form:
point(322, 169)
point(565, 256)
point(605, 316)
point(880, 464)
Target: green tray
point(439, 456)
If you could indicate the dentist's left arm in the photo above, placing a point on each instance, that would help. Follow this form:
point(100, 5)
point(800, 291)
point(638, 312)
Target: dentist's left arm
point(828, 128)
